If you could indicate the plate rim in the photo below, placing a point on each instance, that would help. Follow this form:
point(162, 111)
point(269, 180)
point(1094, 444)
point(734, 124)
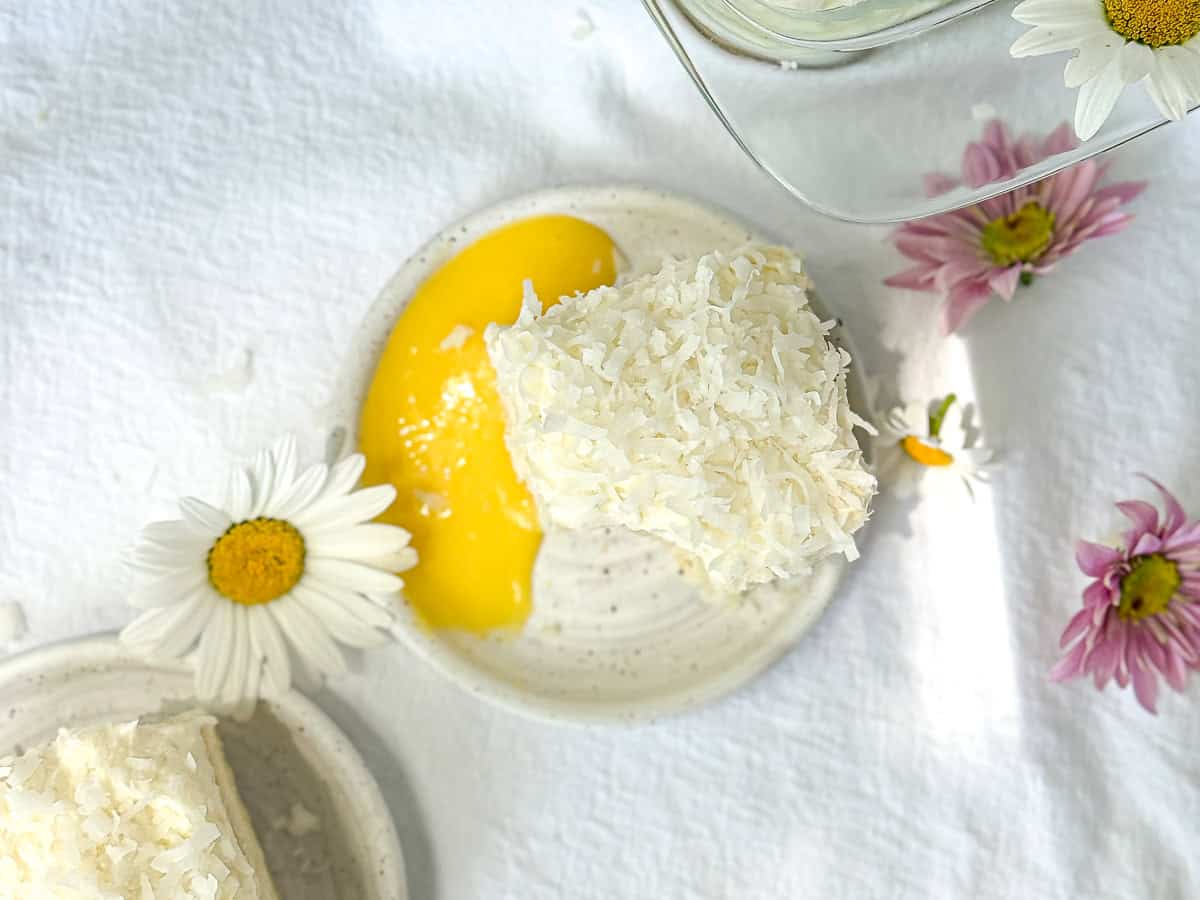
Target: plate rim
point(352, 772)
point(361, 360)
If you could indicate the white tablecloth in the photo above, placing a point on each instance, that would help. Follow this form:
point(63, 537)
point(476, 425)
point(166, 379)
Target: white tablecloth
point(198, 201)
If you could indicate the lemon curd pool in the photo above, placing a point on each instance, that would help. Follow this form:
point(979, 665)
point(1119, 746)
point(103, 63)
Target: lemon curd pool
point(432, 424)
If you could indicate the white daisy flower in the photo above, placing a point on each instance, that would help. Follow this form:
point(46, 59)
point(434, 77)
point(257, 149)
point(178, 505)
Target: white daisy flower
point(291, 560)
point(914, 441)
point(1116, 43)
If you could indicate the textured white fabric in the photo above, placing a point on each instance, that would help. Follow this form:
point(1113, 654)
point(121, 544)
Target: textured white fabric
point(198, 201)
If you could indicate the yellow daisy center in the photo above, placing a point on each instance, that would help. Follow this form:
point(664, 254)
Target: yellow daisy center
point(257, 561)
point(1155, 23)
point(1148, 588)
point(924, 454)
point(1018, 238)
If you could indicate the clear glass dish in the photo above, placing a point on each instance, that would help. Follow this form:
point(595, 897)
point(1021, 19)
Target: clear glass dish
point(849, 108)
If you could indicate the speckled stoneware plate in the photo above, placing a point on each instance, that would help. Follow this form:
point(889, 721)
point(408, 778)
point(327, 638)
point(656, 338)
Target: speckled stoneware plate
point(288, 754)
point(616, 632)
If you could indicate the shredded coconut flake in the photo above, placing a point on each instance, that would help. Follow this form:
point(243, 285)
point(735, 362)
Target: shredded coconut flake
point(457, 336)
point(298, 822)
point(115, 813)
point(702, 404)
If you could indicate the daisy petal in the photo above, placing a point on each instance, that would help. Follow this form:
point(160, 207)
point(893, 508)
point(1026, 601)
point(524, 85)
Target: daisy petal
point(352, 509)
point(166, 559)
point(233, 692)
point(204, 519)
point(1040, 41)
point(400, 561)
point(1097, 99)
point(1135, 61)
point(358, 605)
point(1094, 54)
point(284, 456)
point(342, 624)
point(169, 588)
point(308, 637)
point(344, 476)
point(359, 542)
point(278, 666)
point(183, 635)
point(170, 631)
point(262, 481)
point(244, 709)
point(213, 655)
point(303, 491)
point(1056, 12)
point(173, 533)
point(238, 497)
point(1168, 87)
point(148, 629)
point(353, 576)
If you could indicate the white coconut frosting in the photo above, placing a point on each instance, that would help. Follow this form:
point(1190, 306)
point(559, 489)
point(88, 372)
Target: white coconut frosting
point(702, 404)
point(128, 812)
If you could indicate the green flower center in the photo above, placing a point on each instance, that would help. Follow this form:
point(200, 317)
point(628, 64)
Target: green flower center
point(1148, 588)
point(1021, 237)
point(1155, 23)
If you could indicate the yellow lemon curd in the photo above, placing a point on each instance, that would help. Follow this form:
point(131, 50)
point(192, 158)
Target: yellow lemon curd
point(432, 424)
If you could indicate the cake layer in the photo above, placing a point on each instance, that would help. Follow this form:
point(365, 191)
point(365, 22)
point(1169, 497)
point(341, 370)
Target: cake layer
point(129, 811)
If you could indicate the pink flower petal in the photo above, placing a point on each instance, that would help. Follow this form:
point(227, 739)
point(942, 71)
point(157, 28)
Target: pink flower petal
point(1079, 623)
point(1154, 653)
point(980, 165)
point(1060, 140)
point(1175, 670)
point(1005, 281)
point(1122, 191)
point(937, 183)
point(1145, 684)
point(1147, 543)
point(1098, 595)
point(1095, 559)
point(1175, 514)
point(954, 273)
point(933, 249)
point(1070, 666)
point(918, 278)
point(1140, 513)
point(965, 300)
point(1026, 152)
point(933, 226)
point(1111, 225)
point(1073, 187)
point(1185, 538)
point(1103, 662)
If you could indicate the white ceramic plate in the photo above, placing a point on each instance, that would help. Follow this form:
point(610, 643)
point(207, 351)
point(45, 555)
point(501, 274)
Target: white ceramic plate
point(288, 753)
point(616, 633)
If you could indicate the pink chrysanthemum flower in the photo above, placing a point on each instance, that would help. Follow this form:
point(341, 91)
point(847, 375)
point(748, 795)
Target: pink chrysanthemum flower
point(1141, 615)
point(971, 254)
